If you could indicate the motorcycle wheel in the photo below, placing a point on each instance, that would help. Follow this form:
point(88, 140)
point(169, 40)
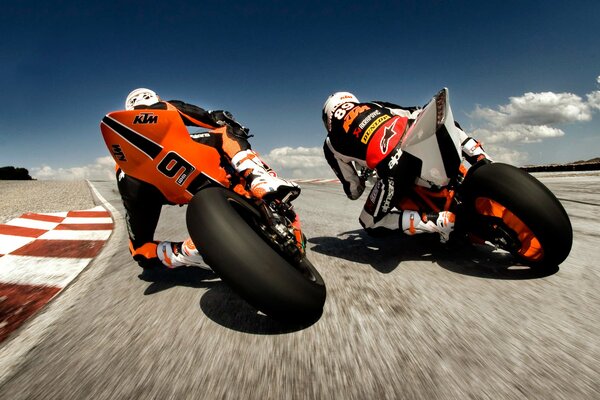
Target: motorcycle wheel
point(521, 215)
point(223, 226)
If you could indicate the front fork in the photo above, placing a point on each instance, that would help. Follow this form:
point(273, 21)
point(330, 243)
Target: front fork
point(284, 222)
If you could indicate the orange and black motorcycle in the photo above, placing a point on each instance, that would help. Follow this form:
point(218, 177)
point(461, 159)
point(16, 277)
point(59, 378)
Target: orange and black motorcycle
point(494, 203)
point(256, 247)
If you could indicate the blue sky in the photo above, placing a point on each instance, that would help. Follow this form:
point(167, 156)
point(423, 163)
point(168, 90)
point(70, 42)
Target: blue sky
point(523, 75)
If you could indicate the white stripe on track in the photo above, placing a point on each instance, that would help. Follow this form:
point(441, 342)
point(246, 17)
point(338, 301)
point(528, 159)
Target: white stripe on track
point(76, 235)
point(33, 223)
point(45, 271)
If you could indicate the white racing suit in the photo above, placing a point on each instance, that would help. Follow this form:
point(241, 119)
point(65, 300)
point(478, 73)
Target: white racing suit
point(368, 135)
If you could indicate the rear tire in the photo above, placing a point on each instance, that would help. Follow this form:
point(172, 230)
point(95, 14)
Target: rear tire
point(218, 222)
point(527, 199)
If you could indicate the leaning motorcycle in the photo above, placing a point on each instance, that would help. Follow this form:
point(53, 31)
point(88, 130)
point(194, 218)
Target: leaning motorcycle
point(494, 202)
point(255, 246)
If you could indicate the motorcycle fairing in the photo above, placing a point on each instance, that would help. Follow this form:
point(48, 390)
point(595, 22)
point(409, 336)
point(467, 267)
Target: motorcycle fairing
point(155, 146)
point(434, 139)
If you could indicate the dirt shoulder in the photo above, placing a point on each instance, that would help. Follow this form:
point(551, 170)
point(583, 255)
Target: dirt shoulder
point(18, 197)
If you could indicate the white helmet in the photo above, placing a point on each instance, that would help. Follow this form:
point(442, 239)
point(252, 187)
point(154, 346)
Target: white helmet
point(333, 102)
point(141, 96)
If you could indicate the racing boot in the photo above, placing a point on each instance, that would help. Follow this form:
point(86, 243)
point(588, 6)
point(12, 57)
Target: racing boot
point(180, 254)
point(412, 223)
point(263, 181)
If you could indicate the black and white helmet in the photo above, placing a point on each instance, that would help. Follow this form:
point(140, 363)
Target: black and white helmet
point(333, 102)
point(141, 97)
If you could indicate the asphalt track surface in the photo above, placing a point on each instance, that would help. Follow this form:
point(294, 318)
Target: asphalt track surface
point(405, 318)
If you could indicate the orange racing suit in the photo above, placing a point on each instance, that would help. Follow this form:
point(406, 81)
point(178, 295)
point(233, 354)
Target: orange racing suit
point(143, 202)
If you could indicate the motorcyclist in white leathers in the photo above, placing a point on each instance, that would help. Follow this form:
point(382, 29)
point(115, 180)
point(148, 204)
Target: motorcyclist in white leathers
point(368, 135)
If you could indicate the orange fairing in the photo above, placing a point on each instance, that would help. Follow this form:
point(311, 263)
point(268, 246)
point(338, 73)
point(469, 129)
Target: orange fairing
point(530, 246)
point(298, 234)
point(155, 146)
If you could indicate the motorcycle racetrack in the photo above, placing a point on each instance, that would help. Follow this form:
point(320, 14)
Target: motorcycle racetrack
point(405, 317)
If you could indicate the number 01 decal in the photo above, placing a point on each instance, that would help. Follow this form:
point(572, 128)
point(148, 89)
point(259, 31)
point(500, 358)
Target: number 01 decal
point(173, 164)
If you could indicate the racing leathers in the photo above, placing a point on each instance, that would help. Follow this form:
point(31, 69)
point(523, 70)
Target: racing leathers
point(368, 135)
point(143, 201)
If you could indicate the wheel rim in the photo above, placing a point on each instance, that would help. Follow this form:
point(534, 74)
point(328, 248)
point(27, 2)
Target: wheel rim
point(530, 246)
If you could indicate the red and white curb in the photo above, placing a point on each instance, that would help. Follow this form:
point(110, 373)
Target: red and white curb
point(42, 253)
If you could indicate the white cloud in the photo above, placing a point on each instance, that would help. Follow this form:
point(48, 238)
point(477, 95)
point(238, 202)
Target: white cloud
point(299, 162)
point(544, 108)
point(518, 133)
point(531, 118)
point(102, 169)
point(594, 99)
point(506, 155)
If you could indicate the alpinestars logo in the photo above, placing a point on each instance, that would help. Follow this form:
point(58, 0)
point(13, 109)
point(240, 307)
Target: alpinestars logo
point(388, 196)
point(395, 159)
point(388, 133)
point(146, 118)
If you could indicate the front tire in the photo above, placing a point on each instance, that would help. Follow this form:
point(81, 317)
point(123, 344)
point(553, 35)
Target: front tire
point(520, 208)
point(218, 222)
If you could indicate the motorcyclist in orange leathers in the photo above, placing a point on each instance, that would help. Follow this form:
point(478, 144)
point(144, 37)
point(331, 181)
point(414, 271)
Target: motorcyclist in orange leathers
point(143, 201)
